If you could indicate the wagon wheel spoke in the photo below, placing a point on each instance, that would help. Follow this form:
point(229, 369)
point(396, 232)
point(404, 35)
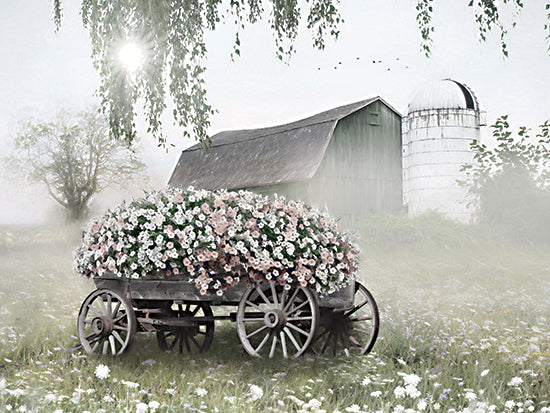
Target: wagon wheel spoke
point(283, 344)
point(327, 342)
point(96, 313)
point(251, 304)
point(292, 339)
point(308, 318)
point(294, 309)
point(196, 343)
point(283, 297)
point(292, 298)
point(273, 347)
point(361, 319)
point(173, 343)
point(274, 294)
point(109, 304)
point(298, 329)
point(187, 346)
point(117, 307)
point(262, 328)
point(118, 337)
point(261, 293)
point(102, 308)
point(258, 349)
point(94, 348)
point(357, 308)
point(119, 318)
point(105, 346)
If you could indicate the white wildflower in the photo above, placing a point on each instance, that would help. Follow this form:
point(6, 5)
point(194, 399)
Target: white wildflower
point(154, 405)
point(256, 392)
point(50, 398)
point(354, 408)
point(130, 384)
point(141, 408)
point(102, 371)
point(422, 404)
point(399, 392)
point(484, 373)
point(411, 379)
point(367, 381)
point(471, 396)
point(516, 381)
point(510, 404)
point(201, 392)
point(377, 393)
point(412, 391)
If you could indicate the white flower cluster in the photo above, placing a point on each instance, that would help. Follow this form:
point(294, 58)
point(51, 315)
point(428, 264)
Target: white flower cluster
point(218, 239)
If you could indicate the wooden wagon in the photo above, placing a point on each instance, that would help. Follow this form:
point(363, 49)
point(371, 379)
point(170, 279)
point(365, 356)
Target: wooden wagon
point(271, 320)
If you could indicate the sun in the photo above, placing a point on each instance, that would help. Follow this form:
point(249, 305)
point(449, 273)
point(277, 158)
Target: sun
point(130, 56)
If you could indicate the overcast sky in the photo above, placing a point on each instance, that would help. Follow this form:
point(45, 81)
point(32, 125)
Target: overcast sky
point(42, 72)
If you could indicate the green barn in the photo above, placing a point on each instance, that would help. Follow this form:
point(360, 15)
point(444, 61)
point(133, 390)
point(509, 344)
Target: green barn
point(347, 160)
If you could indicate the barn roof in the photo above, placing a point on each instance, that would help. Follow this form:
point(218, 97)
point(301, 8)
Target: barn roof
point(260, 157)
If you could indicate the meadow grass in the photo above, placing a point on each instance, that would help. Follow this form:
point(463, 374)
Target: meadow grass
point(465, 326)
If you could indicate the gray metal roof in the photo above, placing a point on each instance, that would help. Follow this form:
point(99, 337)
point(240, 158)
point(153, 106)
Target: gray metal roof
point(261, 157)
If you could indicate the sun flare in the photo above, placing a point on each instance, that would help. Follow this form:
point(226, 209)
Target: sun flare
point(130, 56)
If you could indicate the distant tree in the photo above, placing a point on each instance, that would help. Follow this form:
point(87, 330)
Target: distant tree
point(510, 184)
point(172, 35)
point(74, 158)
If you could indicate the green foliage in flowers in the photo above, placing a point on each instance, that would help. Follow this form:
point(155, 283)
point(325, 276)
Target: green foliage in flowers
point(217, 240)
point(510, 183)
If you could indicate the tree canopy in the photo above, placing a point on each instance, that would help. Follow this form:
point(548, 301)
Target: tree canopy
point(74, 158)
point(510, 184)
point(171, 34)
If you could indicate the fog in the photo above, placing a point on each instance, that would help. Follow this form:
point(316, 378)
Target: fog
point(43, 72)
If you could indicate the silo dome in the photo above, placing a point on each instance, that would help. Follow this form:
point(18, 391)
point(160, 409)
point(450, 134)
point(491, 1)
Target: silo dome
point(443, 94)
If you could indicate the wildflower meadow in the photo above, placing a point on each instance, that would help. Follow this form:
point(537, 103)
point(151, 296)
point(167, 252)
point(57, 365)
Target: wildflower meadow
point(464, 327)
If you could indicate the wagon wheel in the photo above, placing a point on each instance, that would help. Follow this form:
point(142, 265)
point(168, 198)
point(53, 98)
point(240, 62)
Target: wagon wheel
point(271, 319)
point(352, 330)
point(197, 336)
point(106, 323)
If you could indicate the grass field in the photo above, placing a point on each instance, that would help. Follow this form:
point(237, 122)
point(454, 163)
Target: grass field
point(462, 330)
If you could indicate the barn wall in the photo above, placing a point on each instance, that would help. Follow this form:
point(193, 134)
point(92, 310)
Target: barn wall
point(360, 174)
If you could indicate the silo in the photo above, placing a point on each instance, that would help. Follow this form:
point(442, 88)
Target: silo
point(442, 120)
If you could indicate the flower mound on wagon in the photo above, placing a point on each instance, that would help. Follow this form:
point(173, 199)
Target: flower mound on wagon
point(217, 240)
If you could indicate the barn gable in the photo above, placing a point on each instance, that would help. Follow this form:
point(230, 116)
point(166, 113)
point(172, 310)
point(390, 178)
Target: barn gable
point(262, 157)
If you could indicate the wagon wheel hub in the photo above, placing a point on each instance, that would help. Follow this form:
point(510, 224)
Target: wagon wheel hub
point(275, 319)
point(335, 320)
point(188, 331)
point(102, 326)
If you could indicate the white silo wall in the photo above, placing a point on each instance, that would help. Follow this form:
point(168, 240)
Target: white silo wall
point(436, 142)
